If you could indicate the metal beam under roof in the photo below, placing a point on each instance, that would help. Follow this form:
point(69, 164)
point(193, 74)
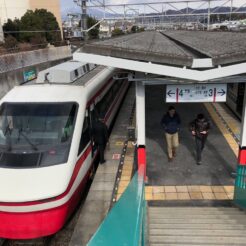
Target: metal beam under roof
point(164, 70)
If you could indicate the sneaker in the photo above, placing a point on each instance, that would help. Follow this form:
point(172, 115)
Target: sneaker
point(102, 162)
point(199, 163)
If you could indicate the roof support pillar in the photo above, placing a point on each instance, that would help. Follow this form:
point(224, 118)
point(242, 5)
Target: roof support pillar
point(140, 113)
point(140, 123)
point(242, 147)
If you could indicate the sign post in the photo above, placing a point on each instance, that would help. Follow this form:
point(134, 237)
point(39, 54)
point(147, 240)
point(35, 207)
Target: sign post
point(196, 93)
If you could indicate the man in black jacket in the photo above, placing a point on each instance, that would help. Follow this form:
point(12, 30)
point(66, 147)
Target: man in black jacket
point(171, 124)
point(100, 135)
point(199, 129)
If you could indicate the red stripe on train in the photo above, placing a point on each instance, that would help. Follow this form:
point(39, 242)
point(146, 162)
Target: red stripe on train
point(91, 100)
point(41, 223)
point(75, 173)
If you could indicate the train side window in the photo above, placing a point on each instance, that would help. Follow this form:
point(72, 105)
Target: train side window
point(103, 106)
point(76, 73)
point(85, 137)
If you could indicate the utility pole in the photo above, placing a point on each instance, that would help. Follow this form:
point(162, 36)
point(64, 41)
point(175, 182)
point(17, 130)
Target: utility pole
point(209, 12)
point(1, 33)
point(82, 4)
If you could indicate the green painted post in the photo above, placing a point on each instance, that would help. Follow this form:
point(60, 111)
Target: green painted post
point(240, 187)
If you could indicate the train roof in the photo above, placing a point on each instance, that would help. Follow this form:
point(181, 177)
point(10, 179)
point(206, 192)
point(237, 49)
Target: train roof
point(44, 93)
point(78, 91)
point(67, 66)
point(67, 72)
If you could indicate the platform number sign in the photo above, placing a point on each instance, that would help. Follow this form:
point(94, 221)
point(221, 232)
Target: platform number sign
point(196, 93)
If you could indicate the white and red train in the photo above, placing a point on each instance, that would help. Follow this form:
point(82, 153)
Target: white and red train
point(46, 152)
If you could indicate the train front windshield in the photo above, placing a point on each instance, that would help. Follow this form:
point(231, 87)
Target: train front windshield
point(35, 134)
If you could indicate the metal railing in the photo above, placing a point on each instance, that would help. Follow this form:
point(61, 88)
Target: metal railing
point(126, 222)
point(240, 187)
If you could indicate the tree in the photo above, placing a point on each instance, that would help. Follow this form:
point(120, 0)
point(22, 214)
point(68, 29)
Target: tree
point(10, 42)
point(30, 23)
point(49, 23)
point(117, 32)
point(43, 23)
point(12, 26)
point(94, 32)
point(134, 29)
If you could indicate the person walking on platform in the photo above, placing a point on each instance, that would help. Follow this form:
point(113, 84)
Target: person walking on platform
point(100, 136)
point(171, 124)
point(199, 129)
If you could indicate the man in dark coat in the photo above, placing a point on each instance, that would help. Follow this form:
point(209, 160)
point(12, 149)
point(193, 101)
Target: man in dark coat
point(100, 135)
point(199, 129)
point(171, 124)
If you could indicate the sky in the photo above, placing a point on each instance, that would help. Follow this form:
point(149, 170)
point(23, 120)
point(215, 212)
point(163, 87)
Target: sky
point(69, 5)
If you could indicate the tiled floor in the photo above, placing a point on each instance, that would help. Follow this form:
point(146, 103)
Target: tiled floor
point(193, 192)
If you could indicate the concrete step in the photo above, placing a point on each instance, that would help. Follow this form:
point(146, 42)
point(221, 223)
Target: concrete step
point(196, 232)
point(191, 240)
point(198, 226)
point(196, 216)
point(196, 212)
point(191, 209)
point(240, 220)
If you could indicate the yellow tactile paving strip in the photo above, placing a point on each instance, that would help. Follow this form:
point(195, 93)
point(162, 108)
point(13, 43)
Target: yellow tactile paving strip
point(189, 192)
point(233, 123)
point(126, 174)
point(229, 138)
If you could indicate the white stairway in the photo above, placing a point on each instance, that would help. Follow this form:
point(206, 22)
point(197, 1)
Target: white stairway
point(199, 226)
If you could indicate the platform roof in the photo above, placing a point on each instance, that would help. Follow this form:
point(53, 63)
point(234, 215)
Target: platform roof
point(186, 56)
point(176, 48)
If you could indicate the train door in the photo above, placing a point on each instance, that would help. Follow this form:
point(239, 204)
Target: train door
point(240, 96)
point(93, 118)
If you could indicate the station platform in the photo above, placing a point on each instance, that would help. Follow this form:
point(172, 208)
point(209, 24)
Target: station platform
point(182, 179)
point(106, 185)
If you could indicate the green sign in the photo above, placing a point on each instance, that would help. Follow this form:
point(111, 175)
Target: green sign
point(29, 75)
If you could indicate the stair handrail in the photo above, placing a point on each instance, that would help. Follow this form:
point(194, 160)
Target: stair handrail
point(125, 223)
